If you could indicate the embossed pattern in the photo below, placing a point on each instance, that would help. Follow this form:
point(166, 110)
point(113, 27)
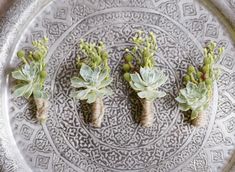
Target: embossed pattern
point(67, 143)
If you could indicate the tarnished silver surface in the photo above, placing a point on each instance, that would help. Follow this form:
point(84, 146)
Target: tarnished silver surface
point(66, 142)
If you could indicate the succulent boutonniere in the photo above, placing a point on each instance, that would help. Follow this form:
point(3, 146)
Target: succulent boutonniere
point(196, 95)
point(30, 77)
point(93, 79)
point(142, 74)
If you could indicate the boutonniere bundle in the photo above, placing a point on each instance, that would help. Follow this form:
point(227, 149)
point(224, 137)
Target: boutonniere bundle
point(93, 80)
point(143, 75)
point(30, 77)
point(196, 95)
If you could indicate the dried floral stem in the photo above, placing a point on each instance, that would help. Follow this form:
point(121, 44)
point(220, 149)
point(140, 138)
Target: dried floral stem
point(97, 113)
point(42, 107)
point(200, 120)
point(146, 119)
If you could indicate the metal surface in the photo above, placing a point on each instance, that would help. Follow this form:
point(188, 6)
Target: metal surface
point(66, 142)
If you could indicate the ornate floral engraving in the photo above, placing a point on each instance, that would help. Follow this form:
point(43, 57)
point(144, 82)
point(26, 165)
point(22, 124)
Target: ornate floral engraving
point(67, 143)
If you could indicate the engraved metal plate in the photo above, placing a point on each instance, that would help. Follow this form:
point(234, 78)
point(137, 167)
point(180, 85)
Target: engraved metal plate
point(66, 142)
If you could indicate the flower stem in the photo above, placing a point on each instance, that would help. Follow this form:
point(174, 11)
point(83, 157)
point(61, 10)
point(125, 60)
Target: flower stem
point(146, 119)
point(200, 120)
point(42, 108)
point(97, 113)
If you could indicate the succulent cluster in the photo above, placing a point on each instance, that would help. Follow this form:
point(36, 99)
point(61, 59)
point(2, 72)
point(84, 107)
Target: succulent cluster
point(94, 73)
point(92, 83)
point(140, 70)
point(199, 82)
point(142, 74)
point(31, 74)
point(93, 79)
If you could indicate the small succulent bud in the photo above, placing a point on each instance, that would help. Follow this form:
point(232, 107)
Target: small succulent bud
point(104, 55)
point(129, 57)
point(206, 68)
point(127, 76)
point(126, 67)
point(43, 74)
point(138, 61)
point(186, 78)
point(208, 81)
point(36, 56)
point(207, 60)
point(20, 53)
point(199, 74)
point(191, 69)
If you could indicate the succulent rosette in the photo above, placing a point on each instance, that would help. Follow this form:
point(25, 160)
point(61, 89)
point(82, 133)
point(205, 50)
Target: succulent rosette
point(30, 77)
point(93, 80)
point(143, 75)
point(196, 95)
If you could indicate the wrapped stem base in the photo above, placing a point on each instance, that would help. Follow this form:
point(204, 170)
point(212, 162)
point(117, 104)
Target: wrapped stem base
point(42, 108)
point(97, 113)
point(200, 120)
point(146, 119)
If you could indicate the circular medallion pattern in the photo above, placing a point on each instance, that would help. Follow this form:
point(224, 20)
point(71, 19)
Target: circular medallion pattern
point(68, 143)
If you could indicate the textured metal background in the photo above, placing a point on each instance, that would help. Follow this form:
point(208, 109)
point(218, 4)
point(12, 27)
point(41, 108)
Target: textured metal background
point(66, 142)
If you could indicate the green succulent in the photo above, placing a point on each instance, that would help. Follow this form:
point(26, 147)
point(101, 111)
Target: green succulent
point(30, 81)
point(194, 97)
point(92, 84)
point(199, 82)
point(30, 76)
point(94, 73)
point(141, 58)
point(146, 83)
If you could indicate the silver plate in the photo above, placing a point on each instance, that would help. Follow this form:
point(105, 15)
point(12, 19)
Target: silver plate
point(66, 142)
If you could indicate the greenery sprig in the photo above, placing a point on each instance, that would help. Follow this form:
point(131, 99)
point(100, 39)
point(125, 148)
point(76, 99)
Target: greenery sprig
point(199, 84)
point(94, 79)
point(31, 75)
point(142, 74)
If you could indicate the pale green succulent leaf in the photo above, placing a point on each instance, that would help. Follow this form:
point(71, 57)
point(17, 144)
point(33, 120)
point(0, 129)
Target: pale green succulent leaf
point(105, 83)
point(184, 107)
point(160, 94)
point(17, 74)
point(200, 103)
point(105, 91)
point(91, 97)
point(181, 99)
point(147, 74)
point(103, 74)
point(137, 79)
point(95, 75)
point(78, 82)
point(137, 86)
point(21, 89)
point(28, 93)
point(80, 94)
point(30, 71)
point(149, 95)
point(40, 94)
point(86, 72)
point(161, 78)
